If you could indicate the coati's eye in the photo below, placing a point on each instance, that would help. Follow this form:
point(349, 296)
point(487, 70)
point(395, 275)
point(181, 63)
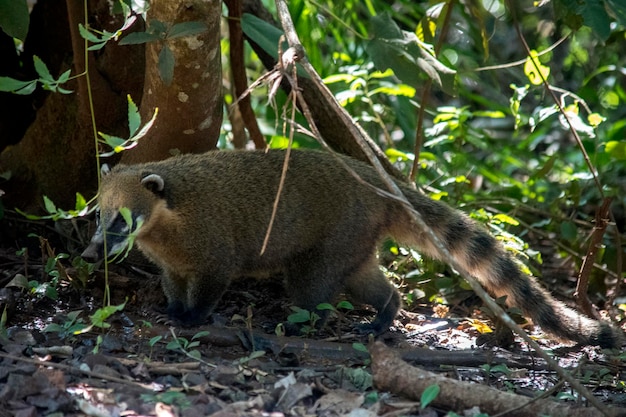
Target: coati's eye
point(119, 226)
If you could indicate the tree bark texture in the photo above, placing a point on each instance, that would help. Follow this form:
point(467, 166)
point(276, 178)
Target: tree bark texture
point(190, 108)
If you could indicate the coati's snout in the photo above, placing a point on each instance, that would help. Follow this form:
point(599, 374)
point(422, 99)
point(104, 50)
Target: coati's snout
point(94, 252)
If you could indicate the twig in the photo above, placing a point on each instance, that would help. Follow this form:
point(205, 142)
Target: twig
point(75, 370)
point(580, 294)
point(419, 129)
point(238, 71)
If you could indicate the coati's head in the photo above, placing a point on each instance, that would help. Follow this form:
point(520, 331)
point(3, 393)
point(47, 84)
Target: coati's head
point(128, 196)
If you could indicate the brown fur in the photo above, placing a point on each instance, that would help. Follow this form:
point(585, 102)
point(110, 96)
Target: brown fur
point(206, 226)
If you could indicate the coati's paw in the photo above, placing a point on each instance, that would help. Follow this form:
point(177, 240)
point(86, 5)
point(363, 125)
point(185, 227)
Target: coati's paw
point(188, 319)
point(164, 319)
point(175, 309)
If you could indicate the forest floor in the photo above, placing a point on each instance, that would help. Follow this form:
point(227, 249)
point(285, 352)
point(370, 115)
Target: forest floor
point(238, 365)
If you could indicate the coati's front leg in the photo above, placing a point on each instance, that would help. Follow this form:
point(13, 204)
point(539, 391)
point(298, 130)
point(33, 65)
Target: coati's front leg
point(192, 298)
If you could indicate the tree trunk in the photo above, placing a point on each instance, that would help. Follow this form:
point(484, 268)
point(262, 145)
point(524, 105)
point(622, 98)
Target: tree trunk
point(56, 156)
point(190, 108)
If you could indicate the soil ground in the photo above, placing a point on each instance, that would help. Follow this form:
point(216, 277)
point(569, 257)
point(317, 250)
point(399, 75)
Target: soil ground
point(140, 366)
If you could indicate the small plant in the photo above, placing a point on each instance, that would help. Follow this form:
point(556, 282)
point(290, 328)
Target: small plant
point(71, 326)
point(53, 269)
point(300, 316)
point(335, 310)
point(182, 344)
point(175, 398)
point(254, 355)
point(430, 393)
point(360, 347)
point(46, 80)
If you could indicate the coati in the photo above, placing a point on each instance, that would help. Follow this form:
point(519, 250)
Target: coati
point(204, 218)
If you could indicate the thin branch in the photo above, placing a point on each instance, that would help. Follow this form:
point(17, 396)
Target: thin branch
point(238, 71)
point(582, 285)
point(522, 61)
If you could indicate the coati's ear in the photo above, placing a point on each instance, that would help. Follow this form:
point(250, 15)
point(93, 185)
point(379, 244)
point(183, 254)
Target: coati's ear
point(104, 170)
point(153, 182)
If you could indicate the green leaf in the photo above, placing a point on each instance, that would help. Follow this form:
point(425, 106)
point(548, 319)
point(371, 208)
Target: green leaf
point(596, 17)
point(503, 218)
point(265, 35)
point(617, 149)
point(153, 341)
point(14, 18)
point(11, 85)
point(403, 52)
point(325, 306)
point(101, 315)
point(534, 70)
point(394, 90)
point(49, 205)
point(429, 394)
point(195, 354)
point(618, 7)
point(166, 65)
point(335, 78)
point(201, 334)
point(180, 30)
point(136, 38)
point(300, 315)
point(53, 328)
point(569, 231)
point(127, 216)
point(360, 347)
point(134, 119)
point(19, 281)
point(81, 202)
point(64, 77)
point(86, 34)
point(112, 141)
point(42, 69)
point(157, 27)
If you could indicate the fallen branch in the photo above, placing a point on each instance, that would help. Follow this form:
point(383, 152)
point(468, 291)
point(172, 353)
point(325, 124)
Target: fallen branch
point(392, 374)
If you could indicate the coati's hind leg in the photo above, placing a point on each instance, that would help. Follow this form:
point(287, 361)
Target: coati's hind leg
point(368, 285)
point(312, 279)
